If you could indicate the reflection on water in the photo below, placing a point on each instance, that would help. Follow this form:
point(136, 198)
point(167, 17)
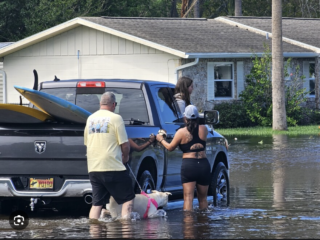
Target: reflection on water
point(278, 176)
point(275, 189)
point(195, 223)
point(278, 172)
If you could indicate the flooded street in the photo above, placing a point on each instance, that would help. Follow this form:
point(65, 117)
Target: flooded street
point(275, 193)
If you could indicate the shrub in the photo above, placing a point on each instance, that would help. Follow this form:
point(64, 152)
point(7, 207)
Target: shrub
point(295, 96)
point(257, 95)
point(312, 116)
point(233, 115)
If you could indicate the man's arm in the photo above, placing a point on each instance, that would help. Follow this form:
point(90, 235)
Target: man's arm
point(85, 133)
point(125, 149)
point(123, 138)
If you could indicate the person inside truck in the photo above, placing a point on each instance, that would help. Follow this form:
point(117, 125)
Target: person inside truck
point(107, 152)
point(195, 169)
point(183, 90)
point(166, 105)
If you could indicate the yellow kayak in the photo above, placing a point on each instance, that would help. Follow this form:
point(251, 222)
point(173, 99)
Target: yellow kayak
point(11, 113)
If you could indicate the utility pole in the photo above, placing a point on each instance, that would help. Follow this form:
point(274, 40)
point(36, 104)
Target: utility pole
point(279, 117)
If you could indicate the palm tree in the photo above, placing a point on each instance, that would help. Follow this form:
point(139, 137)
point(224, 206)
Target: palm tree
point(279, 118)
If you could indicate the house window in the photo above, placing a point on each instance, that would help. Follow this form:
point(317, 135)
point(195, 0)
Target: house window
point(220, 80)
point(223, 79)
point(311, 78)
point(309, 74)
point(289, 72)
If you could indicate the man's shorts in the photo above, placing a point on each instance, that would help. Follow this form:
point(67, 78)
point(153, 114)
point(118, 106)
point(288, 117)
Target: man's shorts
point(117, 184)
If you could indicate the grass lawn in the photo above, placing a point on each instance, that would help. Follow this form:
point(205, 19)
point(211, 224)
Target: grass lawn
point(267, 131)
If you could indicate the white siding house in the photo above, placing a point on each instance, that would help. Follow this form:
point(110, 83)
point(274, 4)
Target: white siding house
point(1, 83)
point(83, 53)
point(2, 73)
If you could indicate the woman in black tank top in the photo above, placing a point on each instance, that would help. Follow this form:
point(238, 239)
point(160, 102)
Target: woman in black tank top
point(195, 168)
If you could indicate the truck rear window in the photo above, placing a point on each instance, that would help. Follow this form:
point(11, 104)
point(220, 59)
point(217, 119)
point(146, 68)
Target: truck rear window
point(131, 103)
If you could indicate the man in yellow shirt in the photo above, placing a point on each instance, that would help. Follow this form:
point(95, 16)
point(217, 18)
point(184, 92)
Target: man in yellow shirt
point(107, 152)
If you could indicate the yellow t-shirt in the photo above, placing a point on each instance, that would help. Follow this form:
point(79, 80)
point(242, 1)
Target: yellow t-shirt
point(103, 135)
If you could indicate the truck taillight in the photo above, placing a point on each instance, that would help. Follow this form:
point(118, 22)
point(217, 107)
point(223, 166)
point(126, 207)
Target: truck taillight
point(91, 84)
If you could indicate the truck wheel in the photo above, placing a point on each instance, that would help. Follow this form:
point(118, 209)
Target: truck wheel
point(146, 182)
point(220, 186)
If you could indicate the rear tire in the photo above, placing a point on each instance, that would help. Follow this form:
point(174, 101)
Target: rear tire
point(146, 182)
point(219, 186)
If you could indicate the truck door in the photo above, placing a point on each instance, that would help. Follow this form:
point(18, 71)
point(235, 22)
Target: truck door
point(170, 121)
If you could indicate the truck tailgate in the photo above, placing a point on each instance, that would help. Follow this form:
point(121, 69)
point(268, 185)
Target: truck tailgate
point(42, 151)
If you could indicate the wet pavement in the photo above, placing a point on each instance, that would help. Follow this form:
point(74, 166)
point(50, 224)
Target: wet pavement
point(275, 193)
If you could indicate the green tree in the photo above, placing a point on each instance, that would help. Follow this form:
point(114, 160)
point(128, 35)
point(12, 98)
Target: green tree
point(59, 11)
point(256, 7)
point(22, 18)
point(257, 95)
point(290, 8)
point(295, 96)
point(12, 27)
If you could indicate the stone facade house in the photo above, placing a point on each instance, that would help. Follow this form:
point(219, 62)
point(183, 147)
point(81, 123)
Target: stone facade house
point(215, 53)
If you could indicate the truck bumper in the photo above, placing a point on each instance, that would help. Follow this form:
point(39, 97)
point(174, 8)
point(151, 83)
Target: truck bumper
point(70, 188)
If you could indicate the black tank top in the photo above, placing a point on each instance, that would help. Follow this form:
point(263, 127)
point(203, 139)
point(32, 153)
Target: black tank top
point(185, 148)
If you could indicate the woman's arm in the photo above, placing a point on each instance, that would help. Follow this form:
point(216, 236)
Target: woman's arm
point(181, 104)
point(203, 132)
point(174, 143)
point(138, 148)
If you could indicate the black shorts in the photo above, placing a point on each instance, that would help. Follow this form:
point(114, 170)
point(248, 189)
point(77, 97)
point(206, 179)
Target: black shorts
point(196, 170)
point(117, 184)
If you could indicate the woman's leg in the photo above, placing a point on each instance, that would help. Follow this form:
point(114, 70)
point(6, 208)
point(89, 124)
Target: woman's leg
point(188, 194)
point(202, 193)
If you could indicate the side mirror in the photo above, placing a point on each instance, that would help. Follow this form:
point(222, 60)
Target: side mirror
point(211, 117)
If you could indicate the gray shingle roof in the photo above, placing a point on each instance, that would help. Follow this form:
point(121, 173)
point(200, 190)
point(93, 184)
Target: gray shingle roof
point(4, 44)
point(192, 35)
point(306, 30)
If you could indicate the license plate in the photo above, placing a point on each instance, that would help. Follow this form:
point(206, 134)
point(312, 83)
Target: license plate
point(36, 183)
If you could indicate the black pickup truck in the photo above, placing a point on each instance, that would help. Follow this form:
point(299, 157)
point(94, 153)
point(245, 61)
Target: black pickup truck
point(145, 106)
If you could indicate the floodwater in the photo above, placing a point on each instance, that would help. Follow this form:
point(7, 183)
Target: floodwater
point(275, 193)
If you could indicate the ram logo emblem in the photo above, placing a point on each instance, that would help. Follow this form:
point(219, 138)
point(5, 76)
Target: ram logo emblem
point(40, 146)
